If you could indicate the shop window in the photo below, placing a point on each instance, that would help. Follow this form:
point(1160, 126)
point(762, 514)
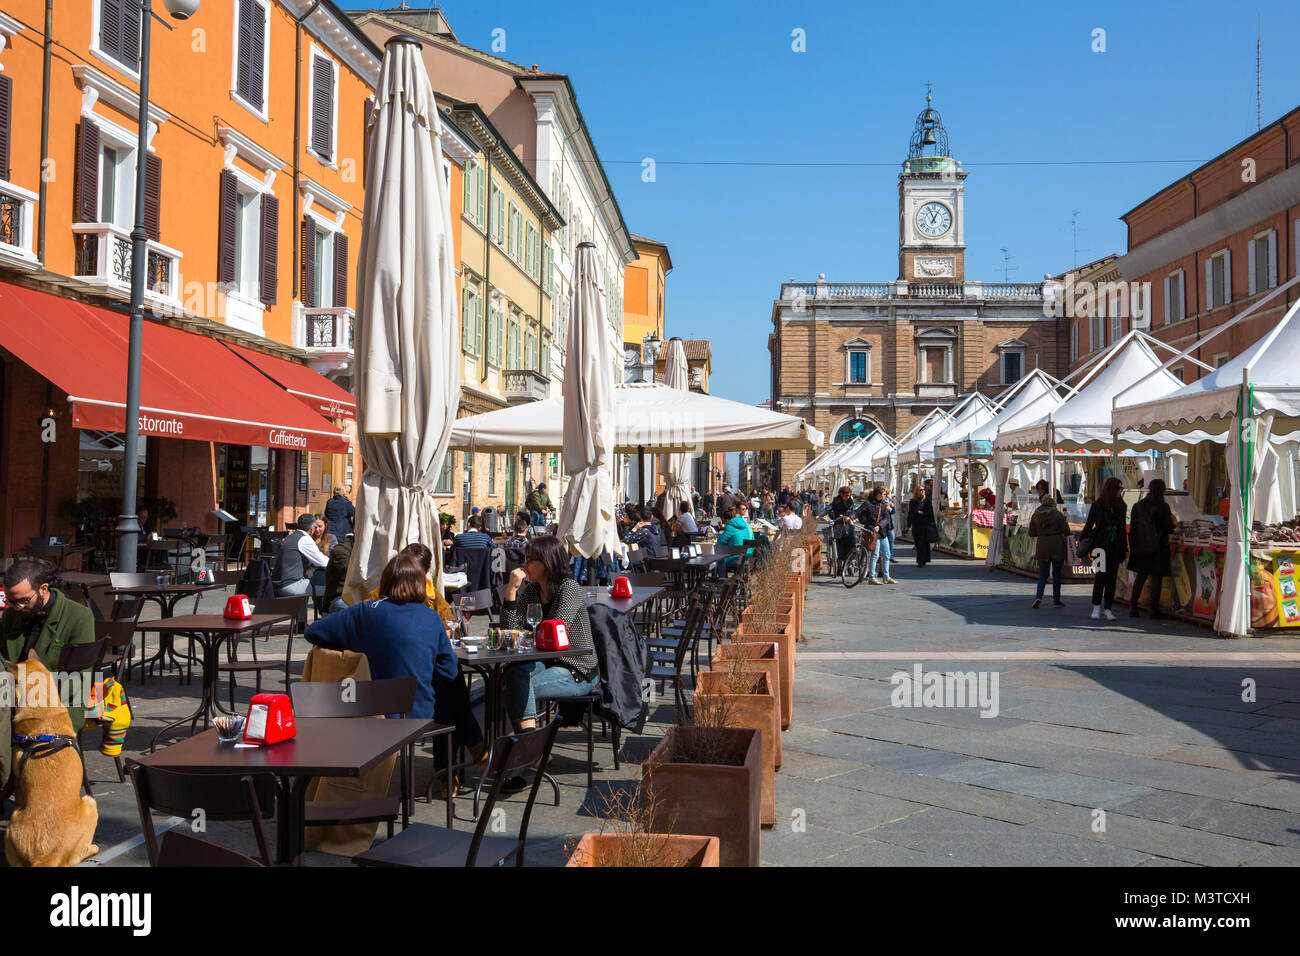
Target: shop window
point(443, 487)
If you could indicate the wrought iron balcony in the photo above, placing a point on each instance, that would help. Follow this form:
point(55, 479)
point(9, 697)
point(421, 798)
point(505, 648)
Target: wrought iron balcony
point(103, 257)
point(327, 330)
point(526, 385)
point(17, 207)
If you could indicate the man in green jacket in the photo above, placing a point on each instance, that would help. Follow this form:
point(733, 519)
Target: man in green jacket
point(538, 503)
point(42, 619)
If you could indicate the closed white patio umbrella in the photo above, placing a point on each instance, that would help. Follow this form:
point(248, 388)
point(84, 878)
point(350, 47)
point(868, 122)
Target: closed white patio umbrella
point(407, 336)
point(677, 466)
point(586, 523)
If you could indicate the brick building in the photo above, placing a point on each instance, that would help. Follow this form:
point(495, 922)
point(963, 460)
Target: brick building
point(852, 358)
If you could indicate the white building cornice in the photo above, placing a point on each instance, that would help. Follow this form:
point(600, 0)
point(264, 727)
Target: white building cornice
point(8, 27)
point(340, 37)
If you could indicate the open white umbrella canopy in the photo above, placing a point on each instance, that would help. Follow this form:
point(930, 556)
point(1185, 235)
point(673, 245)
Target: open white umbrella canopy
point(407, 337)
point(586, 523)
point(648, 417)
point(677, 466)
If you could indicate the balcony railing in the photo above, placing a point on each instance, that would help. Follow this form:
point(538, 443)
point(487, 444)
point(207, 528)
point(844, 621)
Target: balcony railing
point(1013, 290)
point(327, 330)
point(526, 385)
point(1017, 291)
point(103, 257)
point(17, 208)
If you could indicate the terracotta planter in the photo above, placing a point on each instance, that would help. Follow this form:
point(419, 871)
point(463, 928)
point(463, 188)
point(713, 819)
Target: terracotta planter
point(711, 799)
point(597, 849)
point(759, 711)
point(794, 592)
point(759, 656)
point(782, 634)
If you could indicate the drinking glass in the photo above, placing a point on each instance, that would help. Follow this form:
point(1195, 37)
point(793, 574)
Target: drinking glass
point(533, 616)
point(466, 610)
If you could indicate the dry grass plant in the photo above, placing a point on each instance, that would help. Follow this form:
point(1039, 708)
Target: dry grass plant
point(705, 738)
point(630, 816)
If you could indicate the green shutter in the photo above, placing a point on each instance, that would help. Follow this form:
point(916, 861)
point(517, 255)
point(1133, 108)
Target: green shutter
point(478, 187)
point(478, 325)
point(467, 197)
point(466, 335)
point(500, 328)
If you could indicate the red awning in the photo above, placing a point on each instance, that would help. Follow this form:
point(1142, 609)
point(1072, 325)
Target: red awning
point(190, 386)
point(319, 393)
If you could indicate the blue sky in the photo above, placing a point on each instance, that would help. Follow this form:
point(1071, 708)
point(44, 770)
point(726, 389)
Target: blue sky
point(716, 95)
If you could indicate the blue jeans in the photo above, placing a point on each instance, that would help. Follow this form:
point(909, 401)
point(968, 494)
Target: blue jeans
point(883, 554)
point(526, 682)
point(580, 570)
point(1055, 567)
point(539, 519)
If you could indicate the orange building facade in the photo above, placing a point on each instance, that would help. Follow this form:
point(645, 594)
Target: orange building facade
point(253, 198)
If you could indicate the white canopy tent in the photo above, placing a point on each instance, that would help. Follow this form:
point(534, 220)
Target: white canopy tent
point(1242, 404)
point(648, 417)
point(870, 459)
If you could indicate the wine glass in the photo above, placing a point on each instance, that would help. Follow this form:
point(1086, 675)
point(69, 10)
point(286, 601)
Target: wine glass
point(466, 610)
point(533, 615)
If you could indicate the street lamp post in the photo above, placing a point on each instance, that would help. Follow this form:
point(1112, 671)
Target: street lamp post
point(128, 524)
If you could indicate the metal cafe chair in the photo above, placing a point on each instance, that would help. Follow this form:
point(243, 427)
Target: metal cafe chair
point(424, 845)
point(181, 849)
point(223, 797)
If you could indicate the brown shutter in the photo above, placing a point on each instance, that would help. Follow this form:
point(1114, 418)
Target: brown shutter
point(322, 108)
point(257, 51)
point(268, 268)
point(244, 52)
point(227, 227)
point(308, 283)
point(152, 195)
point(86, 189)
point(110, 27)
point(6, 103)
point(130, 32)
point(340, 270)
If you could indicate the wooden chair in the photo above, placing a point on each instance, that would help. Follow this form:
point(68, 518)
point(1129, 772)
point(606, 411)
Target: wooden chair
point(421, 844)
point(371, 699)
point(223, 797)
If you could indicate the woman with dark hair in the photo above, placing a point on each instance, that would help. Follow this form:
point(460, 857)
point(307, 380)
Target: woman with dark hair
point(1105, 530)
point(545, 579)
point(842, 507)
point(1150, 525)
point(920, 518)
point(398, 632)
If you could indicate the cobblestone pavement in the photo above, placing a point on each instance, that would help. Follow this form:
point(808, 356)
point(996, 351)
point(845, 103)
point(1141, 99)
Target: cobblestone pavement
point(1114, 744)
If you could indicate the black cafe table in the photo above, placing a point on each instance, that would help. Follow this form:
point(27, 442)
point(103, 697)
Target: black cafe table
point(491, 666)
point(167, 596)
point(323, 747)
point(640, 595)
point(209, 630)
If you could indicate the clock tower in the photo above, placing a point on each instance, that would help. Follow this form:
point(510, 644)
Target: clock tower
point(931, 206)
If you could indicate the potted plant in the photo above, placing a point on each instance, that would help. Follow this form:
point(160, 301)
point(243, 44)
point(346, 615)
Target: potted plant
point(761, 657)
point(707, 780)
point(751, 703)
point(628, 838)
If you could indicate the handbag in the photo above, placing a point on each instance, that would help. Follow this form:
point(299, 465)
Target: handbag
point(869, 539)
point(932, 533)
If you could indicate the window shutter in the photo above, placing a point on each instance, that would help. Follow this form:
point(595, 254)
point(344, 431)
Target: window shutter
point(322, 98)
point(268, 267)
point(340, 270)
point(130, 33)
point(1227, 275)
point(478, 179)
point(1272, 258)
point(86, 191)
point(244, 50)
point(1209, 283)
point(478, 325)
point(227, 227)
point(152, 195)
point(1182, 294)
point(1250, 268)
point(110, 27)
point(308, 284)
point(6, 111)
point(500, 320)
point(257, 53)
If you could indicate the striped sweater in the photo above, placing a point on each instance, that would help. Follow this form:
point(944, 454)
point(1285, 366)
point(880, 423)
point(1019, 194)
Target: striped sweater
point(568, 604)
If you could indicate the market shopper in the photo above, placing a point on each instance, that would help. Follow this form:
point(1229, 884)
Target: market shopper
point(846, 536)
point(1051, 534)
point(920, 519)
point(877, 513)
point(1105, 531)
point(1150, 525)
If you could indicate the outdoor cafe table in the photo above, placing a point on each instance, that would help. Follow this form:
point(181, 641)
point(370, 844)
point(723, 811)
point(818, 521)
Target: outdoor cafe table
point(323, 747)
point(167, 596)
point(209, 630)
point(491, 666)
point(640, 595)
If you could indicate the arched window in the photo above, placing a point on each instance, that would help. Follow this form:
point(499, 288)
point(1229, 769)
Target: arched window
point(854, 428)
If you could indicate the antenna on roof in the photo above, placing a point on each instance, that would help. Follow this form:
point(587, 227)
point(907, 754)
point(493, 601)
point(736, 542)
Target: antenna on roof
point(1007, 267)
point(1074, 226)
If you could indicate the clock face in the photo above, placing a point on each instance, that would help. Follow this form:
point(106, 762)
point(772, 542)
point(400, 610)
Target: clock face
point(933, 219)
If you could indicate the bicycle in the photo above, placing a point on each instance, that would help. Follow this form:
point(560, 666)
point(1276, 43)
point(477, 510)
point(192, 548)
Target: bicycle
point(858, 560)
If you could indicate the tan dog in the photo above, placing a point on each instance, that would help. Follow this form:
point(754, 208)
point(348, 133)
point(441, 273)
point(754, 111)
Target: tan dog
point(52, 825)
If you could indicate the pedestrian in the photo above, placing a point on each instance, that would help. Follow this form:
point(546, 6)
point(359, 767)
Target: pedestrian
point(340, 514)
point(1150, 525)
point(538, 504)
point(768, 505)
point(920, 519)
point(1105, 531)
point(1051, 534)
point(878, 514)
point(842, 509)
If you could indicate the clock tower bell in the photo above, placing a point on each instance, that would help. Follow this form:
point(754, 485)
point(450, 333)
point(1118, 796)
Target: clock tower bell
point(931, 206)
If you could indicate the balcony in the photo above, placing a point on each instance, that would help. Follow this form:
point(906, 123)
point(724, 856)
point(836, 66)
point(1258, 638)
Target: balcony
point(525, 385)
point(103, 259)
point(327, 335)
point(902, 290)
point(936, 390)
point(17, 209)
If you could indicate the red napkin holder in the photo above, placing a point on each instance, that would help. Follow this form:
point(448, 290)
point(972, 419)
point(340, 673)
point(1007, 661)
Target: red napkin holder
point(270, 719)
point(622, 588)
point(238, 608)
point(552, 636)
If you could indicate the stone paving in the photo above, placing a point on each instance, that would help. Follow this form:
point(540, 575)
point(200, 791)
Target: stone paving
point(1140, 732)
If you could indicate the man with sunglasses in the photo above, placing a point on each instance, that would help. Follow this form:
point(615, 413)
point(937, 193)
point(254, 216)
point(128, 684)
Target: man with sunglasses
point(43, 619)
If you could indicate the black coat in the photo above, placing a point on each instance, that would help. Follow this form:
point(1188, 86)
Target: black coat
point(919, 513)
point(1157, 562)
point(1107, 529)
point(622, 651)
